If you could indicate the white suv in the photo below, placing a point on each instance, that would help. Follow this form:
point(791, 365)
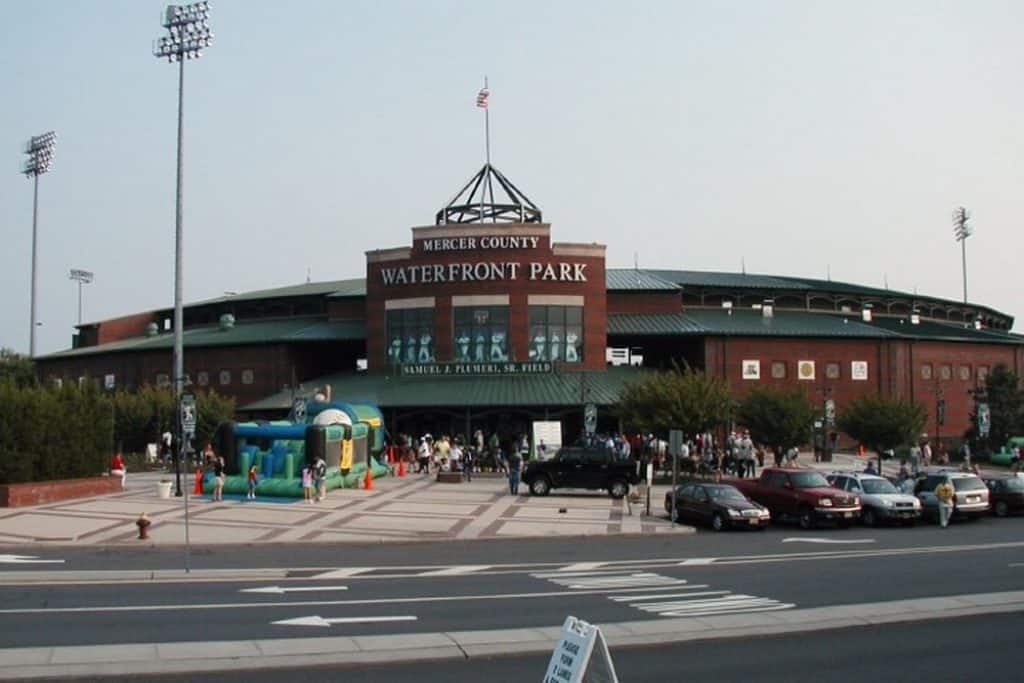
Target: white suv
point(970, 501)
point(880, 501)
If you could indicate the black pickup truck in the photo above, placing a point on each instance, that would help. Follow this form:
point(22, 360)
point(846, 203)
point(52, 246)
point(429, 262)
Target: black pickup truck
point(579, 467)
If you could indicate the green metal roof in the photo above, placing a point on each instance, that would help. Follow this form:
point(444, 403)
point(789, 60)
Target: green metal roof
point(750, 322)
point(741, 322)
point(630, 279)
point(258, 332)
point(355, 287)
point(388, 391)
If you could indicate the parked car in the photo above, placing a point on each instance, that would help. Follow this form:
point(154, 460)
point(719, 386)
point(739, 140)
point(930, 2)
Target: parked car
point(720, 505)
point(581, 467)
point(801, 494)
point(971, 494)
point(1005, 494)
point(880, 501)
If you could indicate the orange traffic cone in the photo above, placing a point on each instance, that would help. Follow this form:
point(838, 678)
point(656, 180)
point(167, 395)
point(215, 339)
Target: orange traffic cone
point(401, 467)
point(198, 489)
point(368, 481)
point(860, 449)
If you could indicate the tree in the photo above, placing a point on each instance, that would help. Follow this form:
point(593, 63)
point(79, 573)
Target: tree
point(680, 398)
point(16, 368)
point(1005, 400)
point(777, 418)
point(882, 422)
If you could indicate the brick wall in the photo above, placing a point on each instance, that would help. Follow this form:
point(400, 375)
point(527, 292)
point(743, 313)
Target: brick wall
point(37, 493)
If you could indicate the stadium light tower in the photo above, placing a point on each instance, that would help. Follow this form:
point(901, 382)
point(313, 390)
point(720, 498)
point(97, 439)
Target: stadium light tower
point(961, 230)
point(83, 277)
point(188, 33)
point(40, 155)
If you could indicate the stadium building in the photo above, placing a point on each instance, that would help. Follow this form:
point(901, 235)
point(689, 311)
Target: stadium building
point(485, 321)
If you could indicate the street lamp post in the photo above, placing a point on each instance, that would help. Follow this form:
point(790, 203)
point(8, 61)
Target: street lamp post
point(189, 32)
point(40, 155)
point(83, 277)
point(961, 230)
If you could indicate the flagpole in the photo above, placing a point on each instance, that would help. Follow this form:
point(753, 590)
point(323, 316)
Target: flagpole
point(487, 127)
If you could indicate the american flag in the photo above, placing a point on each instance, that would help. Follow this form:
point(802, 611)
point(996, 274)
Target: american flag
point(481, 98)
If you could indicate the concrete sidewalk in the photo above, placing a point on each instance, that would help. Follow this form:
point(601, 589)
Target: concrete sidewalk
point(411, 508)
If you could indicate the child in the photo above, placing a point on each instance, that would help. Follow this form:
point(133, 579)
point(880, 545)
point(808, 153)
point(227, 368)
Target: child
point(252, 482)
point(307, 484)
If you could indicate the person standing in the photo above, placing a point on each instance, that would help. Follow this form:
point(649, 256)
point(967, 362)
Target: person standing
point(307, 484)
point(320, 478)
point(915, 459)
point(945, 494)
point(515, 464)
point(252, 482)
point(117, 469)
point(926, 454)
point(218, 478)
point(467, 462)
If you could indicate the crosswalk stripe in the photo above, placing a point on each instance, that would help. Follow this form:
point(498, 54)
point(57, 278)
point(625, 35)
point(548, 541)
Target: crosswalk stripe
point(581, 566)
point(342, 573)
point(457, 570)
point(640, 590)
point(691, 586)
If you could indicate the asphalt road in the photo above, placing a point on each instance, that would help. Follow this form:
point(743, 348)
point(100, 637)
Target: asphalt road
point(966, 649)
point(503, 584)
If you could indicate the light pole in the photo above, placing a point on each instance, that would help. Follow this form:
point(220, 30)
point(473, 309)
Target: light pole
point(188, 33)
point(40, 155)
point(961, 230)
point(83, 277)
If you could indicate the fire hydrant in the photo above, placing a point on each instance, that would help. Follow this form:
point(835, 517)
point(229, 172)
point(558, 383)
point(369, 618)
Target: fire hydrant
point(143, 523)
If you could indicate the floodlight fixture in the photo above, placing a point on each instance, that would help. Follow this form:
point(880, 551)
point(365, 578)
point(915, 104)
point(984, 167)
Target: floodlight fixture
point(962, 230)
point(39, 149)
point(83, 277)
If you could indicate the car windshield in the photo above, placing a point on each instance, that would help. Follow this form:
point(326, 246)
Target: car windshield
point(968, 484)
point(808, 480)
point(724, 493)
point(877, 486)
point(1015, 484)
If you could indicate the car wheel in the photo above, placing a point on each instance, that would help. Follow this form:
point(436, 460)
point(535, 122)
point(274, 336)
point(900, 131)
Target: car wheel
point(869, 517)
point(618, 489)
point(1001, 509)
point(717, 522)
point(806, 518)
point(540, 486)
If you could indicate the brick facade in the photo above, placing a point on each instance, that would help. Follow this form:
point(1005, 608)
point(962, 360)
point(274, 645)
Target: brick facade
point(542, 268)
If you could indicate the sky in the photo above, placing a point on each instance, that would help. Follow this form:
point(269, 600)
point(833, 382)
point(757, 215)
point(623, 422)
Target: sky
point(797, 138)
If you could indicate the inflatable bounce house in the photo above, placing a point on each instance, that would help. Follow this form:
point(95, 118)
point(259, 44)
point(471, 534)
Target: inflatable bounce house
point(348, 436)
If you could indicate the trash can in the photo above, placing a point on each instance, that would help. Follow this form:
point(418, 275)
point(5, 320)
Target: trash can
point(163, 489)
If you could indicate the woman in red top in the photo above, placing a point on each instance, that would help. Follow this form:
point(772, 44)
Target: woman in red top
point(117, 468)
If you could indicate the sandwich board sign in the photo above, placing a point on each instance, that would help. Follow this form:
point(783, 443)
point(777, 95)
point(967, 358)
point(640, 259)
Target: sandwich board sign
point(581, 656)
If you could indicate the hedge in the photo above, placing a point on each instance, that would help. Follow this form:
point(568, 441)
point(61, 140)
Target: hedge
point(71, 432)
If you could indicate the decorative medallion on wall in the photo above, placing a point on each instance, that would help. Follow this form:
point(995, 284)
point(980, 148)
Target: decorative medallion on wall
point(805, 369)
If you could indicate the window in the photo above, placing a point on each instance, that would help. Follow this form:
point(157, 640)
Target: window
point(779, 369)
point(926, 371)
point(481, 333)
point(203, 378)
point(410, 335)
point(225, 377)
point(946, 372)
point(982, 372)
point(248, 376)
point(556, 333)
point(162, 379)
point(832, 370)
point(965, 372)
